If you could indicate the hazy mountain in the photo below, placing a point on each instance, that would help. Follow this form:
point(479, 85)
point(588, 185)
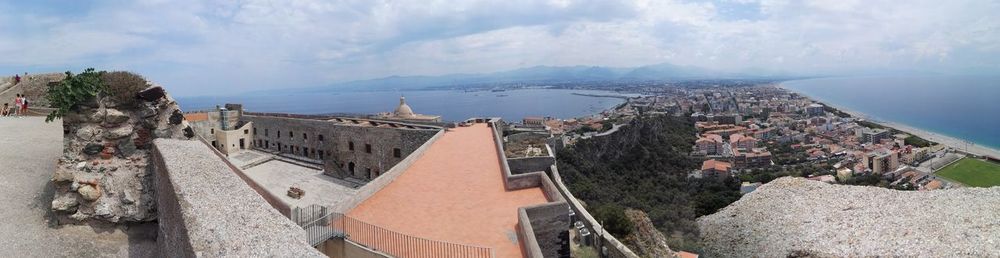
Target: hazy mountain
point(533, 74)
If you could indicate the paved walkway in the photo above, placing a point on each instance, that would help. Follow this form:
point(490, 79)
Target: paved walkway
point(454, 193)
point(26, 195)
point(277, 176)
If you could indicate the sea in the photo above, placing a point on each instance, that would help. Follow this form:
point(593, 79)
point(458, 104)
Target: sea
point(452, 105)
point(963, 107)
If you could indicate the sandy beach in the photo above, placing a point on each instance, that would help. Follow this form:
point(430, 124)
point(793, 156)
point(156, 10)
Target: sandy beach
point(954, 143)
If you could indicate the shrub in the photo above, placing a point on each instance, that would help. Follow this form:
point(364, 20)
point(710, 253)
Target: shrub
point(122, 86)
point(614, 220)
point(72, 91)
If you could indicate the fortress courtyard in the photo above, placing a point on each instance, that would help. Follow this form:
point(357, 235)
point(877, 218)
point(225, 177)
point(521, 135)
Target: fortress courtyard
point(454, 193)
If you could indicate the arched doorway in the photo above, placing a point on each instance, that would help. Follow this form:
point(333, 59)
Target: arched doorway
point(350, 167)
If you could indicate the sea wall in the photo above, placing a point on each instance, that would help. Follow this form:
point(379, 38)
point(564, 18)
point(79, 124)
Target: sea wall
point(207, 210)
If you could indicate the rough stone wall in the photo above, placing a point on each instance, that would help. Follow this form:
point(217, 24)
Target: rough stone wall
point(105, 172)
point(550, 227)
point(795, 217)
point(336, 141)
point(531, 164)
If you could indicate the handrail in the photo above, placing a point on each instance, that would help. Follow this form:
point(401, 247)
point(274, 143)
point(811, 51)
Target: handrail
point(387, 241)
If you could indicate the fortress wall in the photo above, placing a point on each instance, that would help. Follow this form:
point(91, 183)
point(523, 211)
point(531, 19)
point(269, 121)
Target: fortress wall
point(531, 164)
point(542, 229)
point(337, 139)
point(380, 182)
point(207, 210)
point(615, 248)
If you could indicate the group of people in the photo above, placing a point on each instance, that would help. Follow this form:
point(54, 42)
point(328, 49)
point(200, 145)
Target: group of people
point(20, 107)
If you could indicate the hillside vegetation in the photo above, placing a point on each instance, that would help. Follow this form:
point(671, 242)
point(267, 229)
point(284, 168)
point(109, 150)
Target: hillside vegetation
point(644, 166)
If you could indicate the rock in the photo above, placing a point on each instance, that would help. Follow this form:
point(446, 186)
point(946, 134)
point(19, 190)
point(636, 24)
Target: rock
point(64, 203)
point(146, 112)
point(176, 117)
point(79, 215)
point(118, 133)
point(62, 175)
point(89, 192)
point(141, 139)
point(80, 165)
point(92, 148)
point(88, 132)
point(126, 147)
point(75, 186)
point(102, 209)
point(114, 116)
point(188, 132)
point(127, 198)
point(151, 94)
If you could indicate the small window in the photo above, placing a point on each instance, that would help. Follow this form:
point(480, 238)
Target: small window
point(368, 148)
point(279, 134)
point(396, 152)
point(291, 134)
point(245, 131)
point(350, 146)
point(255, 131)
point(305, 137)
point(321, 138)
point(212, 130)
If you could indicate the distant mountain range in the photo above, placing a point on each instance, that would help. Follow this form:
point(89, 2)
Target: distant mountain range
point(539, 74)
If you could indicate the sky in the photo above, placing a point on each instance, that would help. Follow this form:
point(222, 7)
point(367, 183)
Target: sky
point(217, 47)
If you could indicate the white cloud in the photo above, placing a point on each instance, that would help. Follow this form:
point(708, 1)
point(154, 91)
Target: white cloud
point(201, 47)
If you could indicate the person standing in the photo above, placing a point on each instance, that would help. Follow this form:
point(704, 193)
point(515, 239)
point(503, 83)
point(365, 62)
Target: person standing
point(24, 105)
point(5, 111)
point(17, 105)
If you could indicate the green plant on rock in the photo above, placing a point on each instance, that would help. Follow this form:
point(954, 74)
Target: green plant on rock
point(123, 86)
point(72, 91)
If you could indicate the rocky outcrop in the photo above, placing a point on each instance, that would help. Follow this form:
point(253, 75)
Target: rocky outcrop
point(105, 172)
point(794, 217)
point(645, 239)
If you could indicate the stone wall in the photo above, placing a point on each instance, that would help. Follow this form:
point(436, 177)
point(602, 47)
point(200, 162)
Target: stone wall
point(207, 210)
point(302, 137)
point(530, 164)
point(105, 172)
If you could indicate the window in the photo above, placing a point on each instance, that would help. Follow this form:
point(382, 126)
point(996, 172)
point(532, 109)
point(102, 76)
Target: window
point(255, 131)
point(265, 132)
point(321, 154)
point(212, 130)
point(279, 134)
point(368, 148)
point(350, 146)
point(305, 137)
point(368, 173)
point(397, 153)
point(321, 138)
point(291, 135)
point(245, 131)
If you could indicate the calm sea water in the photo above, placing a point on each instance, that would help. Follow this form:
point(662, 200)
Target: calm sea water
point(452, 105)
point(965, 107)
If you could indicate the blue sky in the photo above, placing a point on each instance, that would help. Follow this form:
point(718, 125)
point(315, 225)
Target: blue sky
point(217, 47)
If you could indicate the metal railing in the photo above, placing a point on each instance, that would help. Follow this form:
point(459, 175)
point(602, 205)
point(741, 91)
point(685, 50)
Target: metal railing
point(386, 241)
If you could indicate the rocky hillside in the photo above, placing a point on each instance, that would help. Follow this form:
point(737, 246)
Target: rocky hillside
point(34, 86)
point(645, 240)
point(795, 217)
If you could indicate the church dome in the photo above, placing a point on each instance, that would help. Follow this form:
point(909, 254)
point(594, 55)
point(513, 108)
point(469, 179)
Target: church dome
point(403, 110)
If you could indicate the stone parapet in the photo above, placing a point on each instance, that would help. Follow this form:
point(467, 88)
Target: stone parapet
point(208, 211)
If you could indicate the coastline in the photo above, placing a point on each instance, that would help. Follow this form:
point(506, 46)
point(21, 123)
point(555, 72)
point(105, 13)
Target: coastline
point(946, 140)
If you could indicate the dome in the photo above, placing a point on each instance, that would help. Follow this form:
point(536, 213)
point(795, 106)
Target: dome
point(403, 110)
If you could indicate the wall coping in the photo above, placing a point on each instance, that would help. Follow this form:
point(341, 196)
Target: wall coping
point(214, 213)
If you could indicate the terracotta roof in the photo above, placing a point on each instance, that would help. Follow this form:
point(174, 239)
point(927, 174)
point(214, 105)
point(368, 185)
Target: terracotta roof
point(715, 164)
point(195, 117)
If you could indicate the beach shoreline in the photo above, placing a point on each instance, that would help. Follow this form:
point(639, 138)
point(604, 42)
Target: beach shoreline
point(946, 140)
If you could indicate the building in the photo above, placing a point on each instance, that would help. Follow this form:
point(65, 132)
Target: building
point(222, 128)
point(533, 121)
point(874, 136)
point(815, 109)
point(881, 161)
point(715, 168)
point(741, 142)
point(405, 113)
point(755, 158)
point(710, 144)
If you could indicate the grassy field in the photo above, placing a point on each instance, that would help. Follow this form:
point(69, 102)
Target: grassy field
point(972, 172)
